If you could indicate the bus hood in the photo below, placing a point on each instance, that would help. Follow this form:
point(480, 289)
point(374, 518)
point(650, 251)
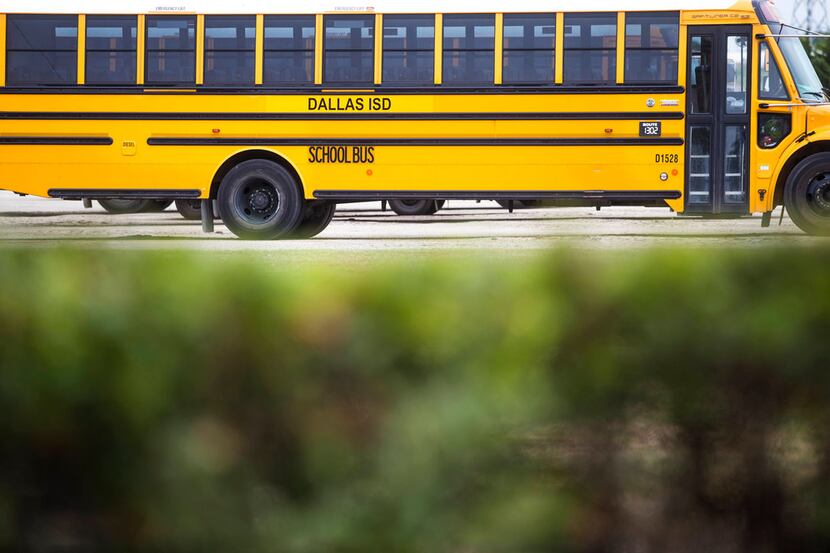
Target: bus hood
point(818, 119)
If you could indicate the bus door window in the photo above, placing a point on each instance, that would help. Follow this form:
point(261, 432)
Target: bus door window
point(701, 74)
point(737, 48)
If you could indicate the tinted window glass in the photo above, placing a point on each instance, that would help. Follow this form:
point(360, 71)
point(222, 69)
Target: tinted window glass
point(771, 85)
point(590, 48)
point(469, 45)
point(111, 49)
point(230, 33)
point(737, 77)
point(652, 30)
point(289, 50)
point(229, 50)
point(469, 32)
point(651, 47)
point(110, 67)
point(700, 93)
point(170, 68)
point(171, 50)
point(349, 49)
point(42, 49)
point(590, 67)
point(41, 68)
point(529, 49)
point(42, 32)
point(111, 33)
point(289, 32)
point(409, 49)
point(530, 32)
point(288, 68)
point(228, 67)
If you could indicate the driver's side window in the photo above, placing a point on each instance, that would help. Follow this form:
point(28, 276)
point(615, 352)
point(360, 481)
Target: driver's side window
point(770, 83)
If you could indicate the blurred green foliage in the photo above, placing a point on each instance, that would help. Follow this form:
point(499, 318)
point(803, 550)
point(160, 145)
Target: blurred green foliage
point(659, 401)
point(819, 51)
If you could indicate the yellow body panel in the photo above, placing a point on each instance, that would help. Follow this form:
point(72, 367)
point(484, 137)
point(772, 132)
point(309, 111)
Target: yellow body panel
point(394, 167)
point(489, 141)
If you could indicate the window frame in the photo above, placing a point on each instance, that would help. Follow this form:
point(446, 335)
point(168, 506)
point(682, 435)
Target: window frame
point(370, 50)
point(430, 50)
point(506, 50)
point(447, 21)
point(611, 17)
point(88, 50)
point(148, 50)
point(676, 49)
point(72, 78)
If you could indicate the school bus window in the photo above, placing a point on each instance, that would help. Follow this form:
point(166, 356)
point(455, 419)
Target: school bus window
point(737, 52)
point(700, 84)
point(349, 49)
point(529, 48)
point(652, 41)
point(409, 49)
point(770, 83)
point(289, 50)
point(111, 49)
point(469, 49)
point(42, 49)
point(590, 48)
point(230, 44)
point(171, 50)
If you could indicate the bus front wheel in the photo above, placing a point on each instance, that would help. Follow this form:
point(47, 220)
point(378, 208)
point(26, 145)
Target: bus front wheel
point(260, 200)
point(416, 207)
point(807, 195)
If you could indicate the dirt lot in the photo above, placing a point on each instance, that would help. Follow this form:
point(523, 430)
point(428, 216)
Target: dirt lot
point(364, 231)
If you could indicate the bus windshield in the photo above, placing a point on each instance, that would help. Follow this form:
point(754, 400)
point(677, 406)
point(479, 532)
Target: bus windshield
point(806, 79)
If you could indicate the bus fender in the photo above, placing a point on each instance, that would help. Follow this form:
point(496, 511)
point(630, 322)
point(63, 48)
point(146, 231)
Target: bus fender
point(259, 153)
point(800, 149)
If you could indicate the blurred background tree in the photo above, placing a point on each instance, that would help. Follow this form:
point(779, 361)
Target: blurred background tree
point(819, 51)
point(650, 402)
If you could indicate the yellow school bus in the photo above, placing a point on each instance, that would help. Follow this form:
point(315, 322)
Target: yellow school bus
point(283, 110)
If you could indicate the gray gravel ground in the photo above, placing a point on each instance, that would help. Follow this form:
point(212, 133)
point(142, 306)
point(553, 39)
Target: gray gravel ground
point(363, 231)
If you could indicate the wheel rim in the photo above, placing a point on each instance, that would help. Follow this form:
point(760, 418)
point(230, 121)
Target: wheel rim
point(257, 201)
point(818, 195)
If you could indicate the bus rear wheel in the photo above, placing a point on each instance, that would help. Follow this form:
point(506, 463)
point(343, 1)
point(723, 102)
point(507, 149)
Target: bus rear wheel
point(260, 200)
point(122, 207)
point(190, 209)
point(416, 207)
point(807, 195)
point(317, 217)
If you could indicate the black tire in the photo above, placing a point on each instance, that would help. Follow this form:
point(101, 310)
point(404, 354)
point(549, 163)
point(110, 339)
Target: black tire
point(159, 205)
point(520, 204)
point(121, 207)
point(316, 219)
point(190, 209)
point(260, 200)
point(807, 195)
point(416, 207)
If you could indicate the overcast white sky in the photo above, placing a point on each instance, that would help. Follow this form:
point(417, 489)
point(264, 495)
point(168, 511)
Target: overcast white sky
point(786, 8)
